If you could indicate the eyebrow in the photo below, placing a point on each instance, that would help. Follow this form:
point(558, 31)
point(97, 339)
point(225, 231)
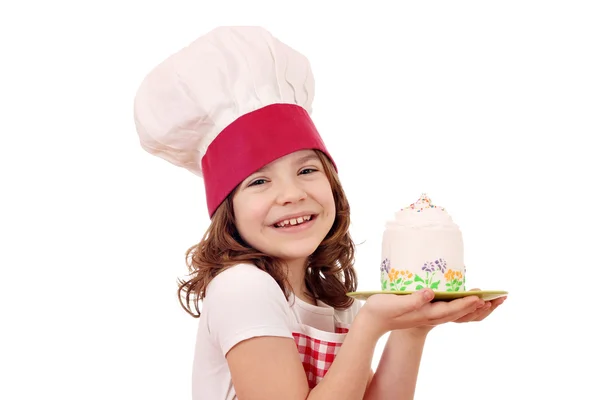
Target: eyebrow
point(309, 157)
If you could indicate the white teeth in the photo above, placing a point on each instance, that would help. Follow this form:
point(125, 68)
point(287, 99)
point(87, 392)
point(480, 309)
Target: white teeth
point(293, 221)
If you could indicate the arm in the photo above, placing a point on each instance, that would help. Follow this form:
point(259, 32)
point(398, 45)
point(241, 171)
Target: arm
point(269, 368)
point(398, 367)
point(246, 317)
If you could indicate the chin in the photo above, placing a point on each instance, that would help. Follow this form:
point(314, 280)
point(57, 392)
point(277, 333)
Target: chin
point(293, 251)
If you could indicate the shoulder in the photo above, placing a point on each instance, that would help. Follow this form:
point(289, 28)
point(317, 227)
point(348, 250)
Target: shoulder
point(243, 270)
point(244, 288)
point(244, 302)
point(243, 280)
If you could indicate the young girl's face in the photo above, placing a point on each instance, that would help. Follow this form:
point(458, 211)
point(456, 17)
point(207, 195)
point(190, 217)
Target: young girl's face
point(287, 208)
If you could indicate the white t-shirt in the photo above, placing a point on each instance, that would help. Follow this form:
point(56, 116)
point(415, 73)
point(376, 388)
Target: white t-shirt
point(244, 302)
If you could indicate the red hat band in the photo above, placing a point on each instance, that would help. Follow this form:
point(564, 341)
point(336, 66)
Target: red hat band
point(253, 141)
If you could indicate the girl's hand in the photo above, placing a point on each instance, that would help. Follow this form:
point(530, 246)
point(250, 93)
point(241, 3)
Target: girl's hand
point(387, 312)
point(482, 313)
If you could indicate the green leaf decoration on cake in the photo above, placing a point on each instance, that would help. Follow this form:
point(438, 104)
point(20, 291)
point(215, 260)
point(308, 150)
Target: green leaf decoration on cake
point(431, 268)
point(455, 281)
point(393, 279)
point(399, 279)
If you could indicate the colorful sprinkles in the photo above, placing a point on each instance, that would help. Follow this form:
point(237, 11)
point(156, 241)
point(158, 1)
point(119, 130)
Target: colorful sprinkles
point(424, 202)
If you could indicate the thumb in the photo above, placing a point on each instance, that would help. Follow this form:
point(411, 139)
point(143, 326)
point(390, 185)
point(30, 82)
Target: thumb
point(416, 300)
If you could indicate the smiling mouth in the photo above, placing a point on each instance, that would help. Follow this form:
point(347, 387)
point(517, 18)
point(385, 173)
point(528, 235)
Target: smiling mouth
point(293, 221)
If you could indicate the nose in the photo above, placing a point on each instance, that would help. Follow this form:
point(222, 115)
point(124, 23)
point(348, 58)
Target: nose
point(290, 191)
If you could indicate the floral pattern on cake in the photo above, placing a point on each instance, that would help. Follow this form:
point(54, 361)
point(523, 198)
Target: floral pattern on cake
point(400, 280)
point(431, 276)
point(430, 269)
point(455, 281)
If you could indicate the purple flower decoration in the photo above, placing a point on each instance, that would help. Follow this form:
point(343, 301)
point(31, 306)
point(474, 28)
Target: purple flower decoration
point(437, 265)
point(385, 266)
point(428, 267)
point(441, 265)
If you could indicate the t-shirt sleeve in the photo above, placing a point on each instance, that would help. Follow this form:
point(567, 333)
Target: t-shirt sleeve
point(244, 302)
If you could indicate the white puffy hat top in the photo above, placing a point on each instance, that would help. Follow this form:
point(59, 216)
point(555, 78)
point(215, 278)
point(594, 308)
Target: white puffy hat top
point(229, 103)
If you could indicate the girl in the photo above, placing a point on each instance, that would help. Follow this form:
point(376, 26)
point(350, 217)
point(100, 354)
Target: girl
point(274, 265)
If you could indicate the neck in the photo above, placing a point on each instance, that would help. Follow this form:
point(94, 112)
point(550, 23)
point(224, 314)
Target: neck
point(296, 272)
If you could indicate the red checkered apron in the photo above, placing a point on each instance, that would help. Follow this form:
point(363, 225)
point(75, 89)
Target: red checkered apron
point(318, 349)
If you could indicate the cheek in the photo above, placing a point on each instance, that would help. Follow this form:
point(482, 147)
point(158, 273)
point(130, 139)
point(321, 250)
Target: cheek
point(331, 206)
point(329, 194)
point(249, 216)
point(327, 201)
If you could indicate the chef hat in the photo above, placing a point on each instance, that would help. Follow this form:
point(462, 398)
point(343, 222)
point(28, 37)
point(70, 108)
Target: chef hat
point(228, 104)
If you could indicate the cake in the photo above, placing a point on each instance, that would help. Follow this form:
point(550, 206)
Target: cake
point(422, 248)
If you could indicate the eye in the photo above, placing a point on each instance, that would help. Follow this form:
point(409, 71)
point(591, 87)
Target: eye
point(307, 171)
point(258, 182)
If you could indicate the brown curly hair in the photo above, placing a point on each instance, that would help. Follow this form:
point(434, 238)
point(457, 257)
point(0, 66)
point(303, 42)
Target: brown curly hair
point(330, 271)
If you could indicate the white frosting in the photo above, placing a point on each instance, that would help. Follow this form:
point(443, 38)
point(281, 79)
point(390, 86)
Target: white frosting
point(422, 246)
point(426, 218)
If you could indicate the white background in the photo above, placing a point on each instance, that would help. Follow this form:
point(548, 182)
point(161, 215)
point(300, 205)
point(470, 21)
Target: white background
point(492, 108)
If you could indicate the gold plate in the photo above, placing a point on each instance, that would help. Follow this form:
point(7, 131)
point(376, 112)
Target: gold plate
point(439, 296)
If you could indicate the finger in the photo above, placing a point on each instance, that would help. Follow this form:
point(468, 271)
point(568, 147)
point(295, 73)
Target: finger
point(442, 312)
point(492, 306)
point(459, 315)
point(483, 312)
point(413, 303)
point(477, 315)
point(415, 300)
